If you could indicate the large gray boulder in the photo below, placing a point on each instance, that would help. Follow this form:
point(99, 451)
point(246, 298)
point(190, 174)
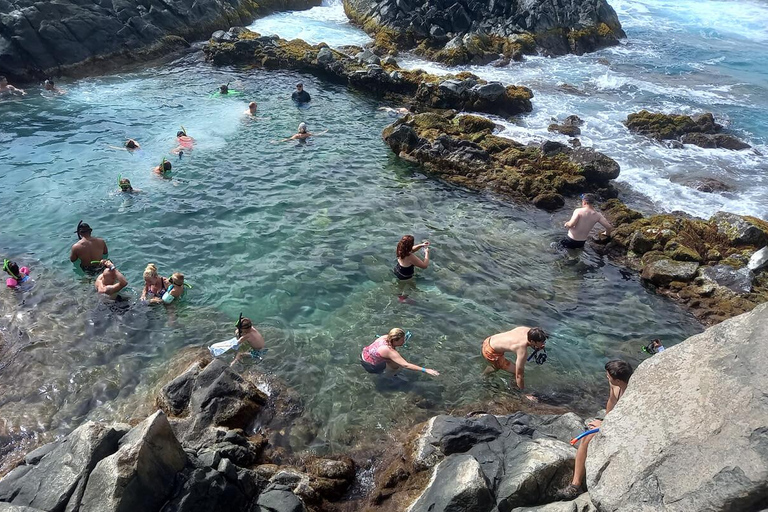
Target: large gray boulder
point(691, 431)
point(580, 504)
point(141, 474)
point(55, 475)
point(458, 485)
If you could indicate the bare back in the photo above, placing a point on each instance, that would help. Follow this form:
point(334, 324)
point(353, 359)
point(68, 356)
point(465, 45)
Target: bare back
point(585, 220)
point(88, 250)
point(515, 341)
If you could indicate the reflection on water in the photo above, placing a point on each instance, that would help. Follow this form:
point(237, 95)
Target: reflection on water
point(300, 237)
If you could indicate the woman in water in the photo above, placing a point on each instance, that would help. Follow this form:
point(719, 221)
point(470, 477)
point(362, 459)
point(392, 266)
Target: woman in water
point(302, 133)
point(184, 142)
point(407, 259)
point(382, 355)
point(174, 291)
point(154, 284)
point(7, 89)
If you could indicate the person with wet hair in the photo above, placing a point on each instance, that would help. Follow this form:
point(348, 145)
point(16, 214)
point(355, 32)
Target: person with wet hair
point(248, 338)
point(518, 340)
point(407, 259)
point(7, 89)
point(91, 251)
point(300, 95)
point(382, 355)
point(618, 373)
point(581, 223)
point(251, 109)
point(303, 133)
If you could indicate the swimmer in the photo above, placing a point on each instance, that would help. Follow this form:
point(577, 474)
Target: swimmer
point(224, 89)
point(129, 145)
point(110, 281)
point(125, 186)
point(407, 259)
point(302, 133)
point(382, 355)
point(174, 291)
point(154, 284)
point(581, 223)
point(91, 251)
point(249, 338)
point(18, 275)
point(518, 340)
point(50, 86)
point(654, 347)
point(8, 90)
point(184, 141)
point(400, 111)
point(300, 95)
point(251, 109)
point(164, 167)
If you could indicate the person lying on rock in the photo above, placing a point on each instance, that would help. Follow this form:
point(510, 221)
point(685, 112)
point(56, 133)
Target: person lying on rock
point(302, 133)
point(581, 223)
point(382, 355)
point(518, 340)
point(618, 373)
point(300, 95)
point(110, 281)
point(248, 338)
point(8, 90)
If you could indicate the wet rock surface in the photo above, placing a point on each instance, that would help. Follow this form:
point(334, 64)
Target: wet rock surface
point(701, 130)
point(479, 32)
point(463, 149)
point(40, 38)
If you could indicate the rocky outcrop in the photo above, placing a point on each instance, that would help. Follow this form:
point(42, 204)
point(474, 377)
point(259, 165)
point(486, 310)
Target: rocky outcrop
point(463, 149)
point(703, 264)
point(700, 130)
point(569, 126)
point(691, 431)
point(481, 32)
point(41, 38)
point(369, 73)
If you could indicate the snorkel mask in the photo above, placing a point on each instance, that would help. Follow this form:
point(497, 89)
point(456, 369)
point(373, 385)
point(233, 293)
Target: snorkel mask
point(239, 326)
point(184, 131)
point(539, 356)
point(125, 187)
point(162, 165)
point(7, 268)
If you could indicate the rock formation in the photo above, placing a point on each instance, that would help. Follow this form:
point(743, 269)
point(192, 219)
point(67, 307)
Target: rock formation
point(41, 38)
point(700, 130)
point(463, 149)
point(481, 32)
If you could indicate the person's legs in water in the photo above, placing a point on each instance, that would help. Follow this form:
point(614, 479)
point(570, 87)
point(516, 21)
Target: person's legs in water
point(373, 368)
point(569, 243)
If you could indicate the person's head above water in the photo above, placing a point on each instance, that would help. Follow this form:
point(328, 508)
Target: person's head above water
point(150, 272)
point(165, 166)
point(618, 370)
point(83, 230)
point(177, 279)
point(12, 269)
point(125, 185)
point(396, 337)
point(302, 127)
point(245, 324)
point(3, 81)
point(224, 89)
point(49, 85)
point(537, 338)
point(252, 106)
point(131, 144)
point(405, 246)
point(299, 86)
point(588, 199)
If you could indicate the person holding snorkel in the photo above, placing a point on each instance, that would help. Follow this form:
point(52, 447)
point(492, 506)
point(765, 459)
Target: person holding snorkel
point(90, 250)
point(248, 338)
point(518, 340)
point(382, 355)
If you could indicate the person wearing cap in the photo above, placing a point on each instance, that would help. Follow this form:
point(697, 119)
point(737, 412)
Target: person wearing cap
point(300, 95)
point(88, 249)
point(110, 281)
point(581, 223)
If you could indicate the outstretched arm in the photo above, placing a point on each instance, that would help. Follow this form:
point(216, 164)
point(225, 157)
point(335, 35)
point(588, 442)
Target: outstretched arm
point(395, 357)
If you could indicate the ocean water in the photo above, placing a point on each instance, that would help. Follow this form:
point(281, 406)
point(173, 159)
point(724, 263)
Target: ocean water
point(300, 237)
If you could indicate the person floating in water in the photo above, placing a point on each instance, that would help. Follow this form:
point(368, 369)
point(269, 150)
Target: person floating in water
point(618, 373)
point(18, 275)
point(399, 111)
point(518, 340)
point(581, 223)
point(130, 145)
point(407, 259)
point(249, 339)
point(300, 95)
point(224, 89)
point(91, 251)
point(382, 355)
point(251, 109)
point(154, 284)
point(174, 291)
point(51, 87)
point(8, 90)
point(126, 187)
point(164, 167)
point(110, 281)
point(302, 133)
point(184, 142)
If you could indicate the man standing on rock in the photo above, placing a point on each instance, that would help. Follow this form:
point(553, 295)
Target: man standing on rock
point(517, 340)
point(300, 95)
point(581, 223)
point(618, 373)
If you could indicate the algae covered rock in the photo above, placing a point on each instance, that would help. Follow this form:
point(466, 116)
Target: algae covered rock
point(701, 130)
point(664, 271)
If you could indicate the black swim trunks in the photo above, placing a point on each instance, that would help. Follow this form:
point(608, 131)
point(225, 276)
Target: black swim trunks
point(570, 243)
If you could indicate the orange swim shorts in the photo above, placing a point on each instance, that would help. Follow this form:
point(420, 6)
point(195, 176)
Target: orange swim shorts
point(496, 359)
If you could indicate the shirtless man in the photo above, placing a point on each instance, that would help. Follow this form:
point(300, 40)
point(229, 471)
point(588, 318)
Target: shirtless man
point(111, 281)
point(249, 338)
point(251, 109)
point(618, 373)
point(517, 340)
point(9, 90)
point(88, 249)
point(581, 223)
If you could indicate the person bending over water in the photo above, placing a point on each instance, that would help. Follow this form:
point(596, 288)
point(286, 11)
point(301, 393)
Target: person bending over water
point(517, 340)
point(407, 259)
point(249, 338)
point(110, 281)
point(174, 291)
point(91, 251)
point(154, 284)
point(581, 223)
point(382, 355)
point(8, 90)
point(618, 373)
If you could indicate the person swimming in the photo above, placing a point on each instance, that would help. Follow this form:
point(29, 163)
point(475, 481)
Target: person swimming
point(125, 186)
point(407, 259)
point(18, 275)
point(8, 90)
point(251, 109)
point(382, 355)
point(165, 166)
point(130, 145)
point(51, 87)
point(184, 141)
point(302, 133)
point(300, 95)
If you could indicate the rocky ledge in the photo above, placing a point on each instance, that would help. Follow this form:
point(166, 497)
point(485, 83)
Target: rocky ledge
point(481, 32)
point(714, 267)
point(701, 130)
point(364, 70)
point(463, 149)
point(39, 38)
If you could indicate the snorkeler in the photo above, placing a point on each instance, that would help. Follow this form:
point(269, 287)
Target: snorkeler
point(91, 251)
point(302, 133)
point(125, 186)
point(174, 291)
point(110, 281)
point(8, 90)
point(518, 340)
point(51, 87)
point(407, 259)
point(382, 355)
point(164, 167)
point(249, 338)
point(154, 284)
point(300, 95)
point(251, 109)
point(18, 275)
point(184, 141)
point(224, 89)
point(581, 223)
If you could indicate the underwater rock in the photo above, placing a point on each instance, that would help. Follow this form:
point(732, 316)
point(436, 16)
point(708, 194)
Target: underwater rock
point(459, 33)
point(701, 130)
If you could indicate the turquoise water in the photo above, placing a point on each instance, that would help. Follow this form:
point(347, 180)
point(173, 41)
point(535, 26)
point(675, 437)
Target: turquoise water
point(300, 237)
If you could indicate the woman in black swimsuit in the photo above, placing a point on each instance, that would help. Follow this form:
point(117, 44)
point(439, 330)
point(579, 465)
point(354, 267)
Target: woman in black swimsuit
point(407, 259)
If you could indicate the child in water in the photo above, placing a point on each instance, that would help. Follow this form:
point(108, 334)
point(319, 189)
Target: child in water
point(248, 338)
point(18, 275)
